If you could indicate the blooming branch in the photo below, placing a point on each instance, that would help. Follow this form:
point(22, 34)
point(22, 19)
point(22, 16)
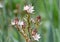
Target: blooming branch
point(25, 23)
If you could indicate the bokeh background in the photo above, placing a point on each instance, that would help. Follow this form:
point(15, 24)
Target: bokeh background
point(49, 28)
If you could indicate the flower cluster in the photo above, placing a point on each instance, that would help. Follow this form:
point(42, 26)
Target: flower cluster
point(35, 35)
point(16, 21)
point(29, 8)
point(23, 25)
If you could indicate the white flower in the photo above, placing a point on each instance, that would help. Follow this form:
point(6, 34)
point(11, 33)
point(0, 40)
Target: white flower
point(29, 8)
point(12, 23)
point(36, 37)
point(20, 23)
point(1, 6)
point(32, 20)
point(17, 22)
point(26, 7)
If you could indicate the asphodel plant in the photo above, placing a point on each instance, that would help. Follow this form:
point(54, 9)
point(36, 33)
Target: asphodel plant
point(24, 24)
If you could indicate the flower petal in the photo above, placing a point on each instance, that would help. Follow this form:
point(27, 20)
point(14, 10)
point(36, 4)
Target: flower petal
point(26, 7)
point(36, 37)
point(20, 23)
point(12, 23)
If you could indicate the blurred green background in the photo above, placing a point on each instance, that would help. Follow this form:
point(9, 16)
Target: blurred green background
point(49, 10)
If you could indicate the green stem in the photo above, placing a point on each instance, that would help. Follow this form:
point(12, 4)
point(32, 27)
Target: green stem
point(23, 34)
point(29, 29)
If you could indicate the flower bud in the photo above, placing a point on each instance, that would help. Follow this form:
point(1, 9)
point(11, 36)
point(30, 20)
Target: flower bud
point(38, 18)
point(32, 20)
point(34, 31)
point(16, 20)
point(24, 25)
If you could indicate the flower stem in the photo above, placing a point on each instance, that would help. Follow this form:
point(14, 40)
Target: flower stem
point(24, 34)
point(29, 28)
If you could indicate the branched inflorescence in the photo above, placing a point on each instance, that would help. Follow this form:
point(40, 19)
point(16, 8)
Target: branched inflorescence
point(24, 25)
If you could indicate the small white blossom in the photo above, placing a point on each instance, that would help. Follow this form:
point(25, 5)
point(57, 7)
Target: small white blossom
point(17, 22)
point(32, 20)
point(1, 6)
point(20, 23)
point(36, 37)
point(26, 7)
point(29, 8)
point(12, 23)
